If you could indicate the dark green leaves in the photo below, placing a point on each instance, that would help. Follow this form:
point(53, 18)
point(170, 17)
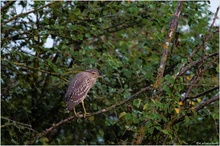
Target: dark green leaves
point(124, 40)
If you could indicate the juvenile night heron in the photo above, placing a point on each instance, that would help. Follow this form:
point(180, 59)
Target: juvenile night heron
point(79, 87)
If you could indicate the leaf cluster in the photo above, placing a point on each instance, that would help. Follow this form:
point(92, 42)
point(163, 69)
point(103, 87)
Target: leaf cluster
point(44, 44)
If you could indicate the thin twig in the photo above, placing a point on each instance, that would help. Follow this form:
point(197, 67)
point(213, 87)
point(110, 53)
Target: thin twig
point(183, 70)
point(17, 124)
point(42, 70)
point(206, 37)
point(197, 77)
point(196, 109)
point(7, 5)
point(215, 17)
point(207, 102)
point(203, 93)
point(23, 14)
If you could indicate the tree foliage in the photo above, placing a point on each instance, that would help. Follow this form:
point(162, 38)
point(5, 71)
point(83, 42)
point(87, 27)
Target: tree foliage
point(44, 44)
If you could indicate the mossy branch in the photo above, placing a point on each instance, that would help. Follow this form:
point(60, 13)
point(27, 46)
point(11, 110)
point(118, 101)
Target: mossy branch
point(172, 27)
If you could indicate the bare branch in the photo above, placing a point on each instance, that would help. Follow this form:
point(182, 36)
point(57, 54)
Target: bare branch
point(203, 93)
point(51, 128)
point(172, 28)
point(89, 115)
point(183, 70)
point(197, 77)
point(207, 102)
point(7, 5)
point(197, 108)
point(206, 37)
point(215, 17)
point(17, 124)
point(22, 65)
point(23, 14)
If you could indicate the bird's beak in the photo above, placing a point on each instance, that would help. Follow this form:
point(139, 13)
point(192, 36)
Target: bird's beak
point(101, 76)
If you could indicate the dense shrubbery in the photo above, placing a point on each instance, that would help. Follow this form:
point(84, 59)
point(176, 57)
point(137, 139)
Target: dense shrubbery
point(124, 40)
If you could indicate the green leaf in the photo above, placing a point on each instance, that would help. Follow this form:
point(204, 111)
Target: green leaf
point(122, 114)
point(145, 106)
point(137, 102)
point(88, 35)
point(217, 68)
point(91, 118)
point(101, 133)
point(184, 60)
point(167, 89)
point(150, 130)
point(158, 127)
point(121, 43)
point(170, 79)
point(127, 116)
point(165, 132)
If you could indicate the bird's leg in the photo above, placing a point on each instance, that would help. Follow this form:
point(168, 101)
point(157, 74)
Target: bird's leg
point(84, 108)
point(75, 112)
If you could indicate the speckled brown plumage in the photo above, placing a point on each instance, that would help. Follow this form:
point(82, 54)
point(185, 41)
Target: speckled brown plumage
point(79, 87)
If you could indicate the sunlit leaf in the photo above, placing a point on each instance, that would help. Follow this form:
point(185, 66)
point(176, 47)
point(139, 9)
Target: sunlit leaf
point(122, 114)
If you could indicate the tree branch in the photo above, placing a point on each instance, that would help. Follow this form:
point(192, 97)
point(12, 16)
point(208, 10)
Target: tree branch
point(172, 28)
point(215, 17)
point(139, 137)
point(183, 70)
point(15, 122)
point(23, 65)
point(23, 14)
point(203, 93)
point(7, 5)
point(196, 109)
point(89, 115)
point(207, 102)
point(197, 77)
point(19, 125)
point(206, 37)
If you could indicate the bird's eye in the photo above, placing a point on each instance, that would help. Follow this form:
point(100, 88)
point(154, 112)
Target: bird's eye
point(93, 73)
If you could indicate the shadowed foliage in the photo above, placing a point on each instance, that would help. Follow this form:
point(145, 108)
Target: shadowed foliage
point(44, 44)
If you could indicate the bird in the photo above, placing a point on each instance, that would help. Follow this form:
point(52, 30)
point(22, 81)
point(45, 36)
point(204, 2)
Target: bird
point(79, 87)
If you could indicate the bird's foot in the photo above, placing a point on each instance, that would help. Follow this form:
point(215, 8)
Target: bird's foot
point(78, 114)
point(86, 114)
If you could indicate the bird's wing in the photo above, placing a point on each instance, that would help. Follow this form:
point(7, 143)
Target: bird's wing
point(77, 90)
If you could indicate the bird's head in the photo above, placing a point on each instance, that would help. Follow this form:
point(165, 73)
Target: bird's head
point(94, 73)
